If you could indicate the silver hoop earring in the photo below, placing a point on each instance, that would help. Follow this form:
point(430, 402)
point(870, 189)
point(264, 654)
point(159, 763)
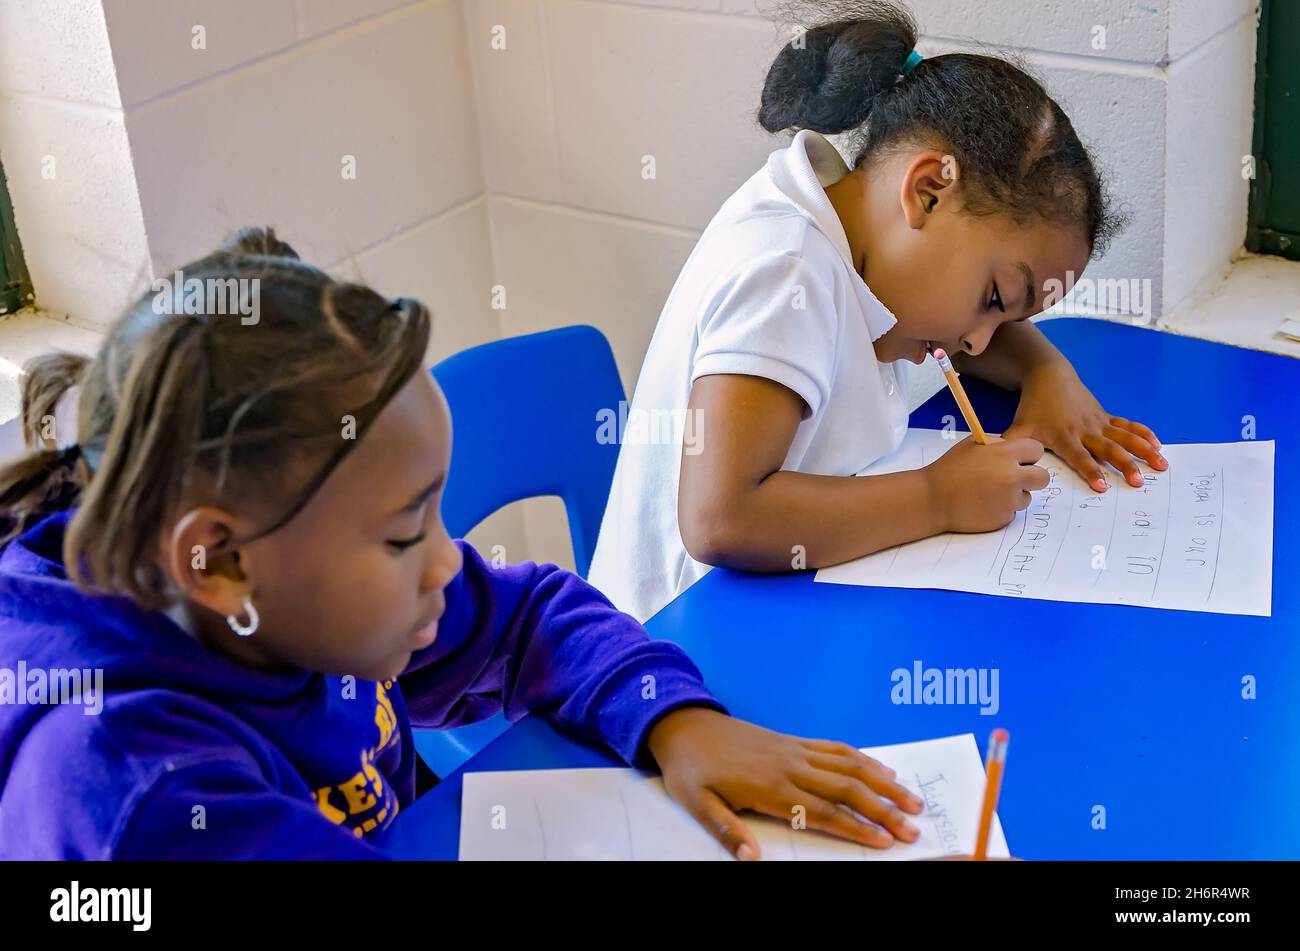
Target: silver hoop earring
point(245, 630)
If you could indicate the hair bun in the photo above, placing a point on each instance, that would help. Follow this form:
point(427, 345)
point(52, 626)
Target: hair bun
point(257, 241)
point(827, 79)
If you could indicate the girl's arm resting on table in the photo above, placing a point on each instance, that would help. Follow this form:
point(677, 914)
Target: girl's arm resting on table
point(738, 508)
point(539, 639)
point(535, 638)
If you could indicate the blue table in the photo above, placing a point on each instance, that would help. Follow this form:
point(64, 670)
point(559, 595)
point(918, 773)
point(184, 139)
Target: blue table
point(1132, 709)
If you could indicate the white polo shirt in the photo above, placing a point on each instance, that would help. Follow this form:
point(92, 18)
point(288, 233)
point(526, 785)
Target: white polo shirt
point(770, 290)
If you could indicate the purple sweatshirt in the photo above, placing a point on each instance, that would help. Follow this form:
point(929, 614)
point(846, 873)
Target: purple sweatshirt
point(182, 753)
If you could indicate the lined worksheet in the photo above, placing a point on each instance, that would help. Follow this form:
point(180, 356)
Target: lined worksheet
point(625, 814)
point(1196, 537)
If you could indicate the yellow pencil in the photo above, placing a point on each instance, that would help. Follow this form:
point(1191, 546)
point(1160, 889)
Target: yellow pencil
point(994, 763)
point(959, 394)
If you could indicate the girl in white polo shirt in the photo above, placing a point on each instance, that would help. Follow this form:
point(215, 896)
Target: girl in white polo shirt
point(782, 349)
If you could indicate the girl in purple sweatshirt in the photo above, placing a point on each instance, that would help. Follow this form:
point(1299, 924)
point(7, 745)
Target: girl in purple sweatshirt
point(224, 609)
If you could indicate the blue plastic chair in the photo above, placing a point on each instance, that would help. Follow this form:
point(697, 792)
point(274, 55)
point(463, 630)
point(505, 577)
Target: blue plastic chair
point(524, 416)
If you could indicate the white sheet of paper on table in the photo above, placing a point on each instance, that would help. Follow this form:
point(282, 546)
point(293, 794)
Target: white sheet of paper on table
point(1196, 537)
point(622, 814)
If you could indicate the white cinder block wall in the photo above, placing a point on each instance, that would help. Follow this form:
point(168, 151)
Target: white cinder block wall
point(268, 124)
point(504, 142)
point(64, 145)
point(133, 143)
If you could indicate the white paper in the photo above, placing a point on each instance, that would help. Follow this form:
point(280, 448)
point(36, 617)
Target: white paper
point(625, 814)
point(1196, 537)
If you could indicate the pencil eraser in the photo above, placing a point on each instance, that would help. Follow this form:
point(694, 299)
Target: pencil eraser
point(998, 741)
point(939, 354)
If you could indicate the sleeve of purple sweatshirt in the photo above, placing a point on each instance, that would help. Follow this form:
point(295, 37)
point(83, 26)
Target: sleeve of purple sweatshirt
point(534, 638)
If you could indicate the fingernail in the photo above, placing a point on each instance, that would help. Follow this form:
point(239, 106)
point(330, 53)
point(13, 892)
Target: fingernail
point(745, 853)
point(915, 801)
point(911, 830)
point(1163, 461)
point(1099, 485)
point(1155, 442)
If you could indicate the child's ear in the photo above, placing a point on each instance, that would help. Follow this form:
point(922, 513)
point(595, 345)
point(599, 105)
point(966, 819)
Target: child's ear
point(927, 180)
point(200, 562)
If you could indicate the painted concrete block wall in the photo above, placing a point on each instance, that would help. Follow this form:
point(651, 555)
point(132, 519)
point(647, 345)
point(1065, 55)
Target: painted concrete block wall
point(269, 138)
point(64, 146)
point(1209, 122)
point(159, 149)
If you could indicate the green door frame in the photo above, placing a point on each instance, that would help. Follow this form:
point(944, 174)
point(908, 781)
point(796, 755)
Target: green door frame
point(15, 284)
point(1273, 223)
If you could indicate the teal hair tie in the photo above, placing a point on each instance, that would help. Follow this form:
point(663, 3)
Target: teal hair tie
point(912, 59)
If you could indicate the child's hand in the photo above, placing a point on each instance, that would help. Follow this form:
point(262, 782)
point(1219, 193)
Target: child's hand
point(1061, 413)
point(715, 765)
point(981, 488)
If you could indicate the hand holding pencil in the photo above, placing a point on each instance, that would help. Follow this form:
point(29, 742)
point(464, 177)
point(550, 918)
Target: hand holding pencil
point(979, 484)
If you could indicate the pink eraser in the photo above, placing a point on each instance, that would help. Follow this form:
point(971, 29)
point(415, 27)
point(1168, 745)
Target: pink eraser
point(998, 741)
point(939, 354)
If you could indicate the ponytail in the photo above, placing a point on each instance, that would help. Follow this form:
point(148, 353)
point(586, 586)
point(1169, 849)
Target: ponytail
point(828, 78)
point(46, 479)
